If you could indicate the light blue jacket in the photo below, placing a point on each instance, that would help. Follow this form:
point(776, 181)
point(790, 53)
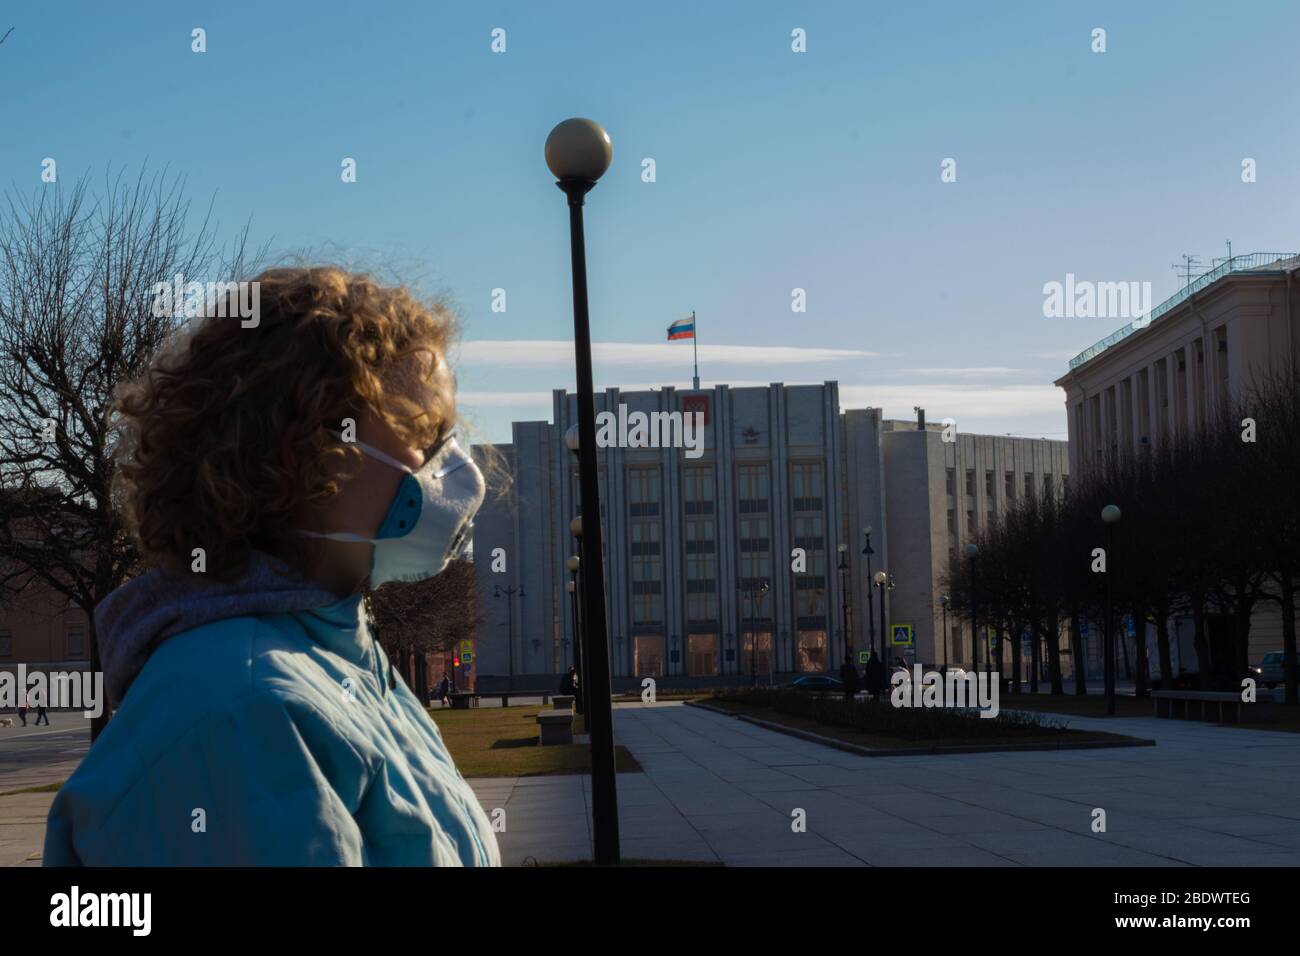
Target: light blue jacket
point(267, 739)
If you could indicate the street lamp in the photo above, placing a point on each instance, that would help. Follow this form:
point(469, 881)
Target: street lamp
point(1110, 516)
point(573, 564)
point(943, 601)
point(972, 552)
point(578, 151)
point(844, 601)
point(508, 593)
point(871, 611)
point(882, 579)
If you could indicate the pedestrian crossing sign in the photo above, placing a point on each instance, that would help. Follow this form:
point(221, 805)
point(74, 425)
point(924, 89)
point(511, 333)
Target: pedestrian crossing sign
point(862, 657)
point(901, 634)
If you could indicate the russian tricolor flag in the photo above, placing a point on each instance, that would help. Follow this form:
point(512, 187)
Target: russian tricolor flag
point(682, 329)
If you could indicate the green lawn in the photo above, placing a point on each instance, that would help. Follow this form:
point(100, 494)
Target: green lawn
point(44, 788)
point(503, 742)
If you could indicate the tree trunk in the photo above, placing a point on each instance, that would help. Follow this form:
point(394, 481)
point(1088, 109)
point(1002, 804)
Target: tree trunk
point(1054, 653)
point(97, 724)
point(1035, 653)
point(1202, 642)
point(1002, 651)
point(1162, 645)
point(1016, 628)
point(1241, 631)
point(1288, 637)
point(1079, 654)
point(1122, 637)
point(422, 677)
point(1140, 651)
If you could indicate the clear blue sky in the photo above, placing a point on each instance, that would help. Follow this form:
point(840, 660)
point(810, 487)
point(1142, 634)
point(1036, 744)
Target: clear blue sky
point(775, 170)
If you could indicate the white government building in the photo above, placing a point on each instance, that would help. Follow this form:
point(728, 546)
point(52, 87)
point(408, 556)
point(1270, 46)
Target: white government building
point(691, 540)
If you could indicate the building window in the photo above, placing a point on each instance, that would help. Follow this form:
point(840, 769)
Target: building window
point(759, 661)
point(952, 481)
point(809, 525)
point(751, 488)
point(1047, 485)
point(952, 522)
point(1011, 485)
point(76, 640)
point(700, 541)
point(970, 482)
point(697, 490)
point(810, 586)
point(807, 485)
point(988, 485)
point(812, 651)
point(648, 655)
point(645, 548)
point(1029, 485)
point(702, 655)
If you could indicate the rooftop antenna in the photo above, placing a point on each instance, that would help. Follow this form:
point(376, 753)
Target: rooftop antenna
point(1220, 261)
point(1188, 264)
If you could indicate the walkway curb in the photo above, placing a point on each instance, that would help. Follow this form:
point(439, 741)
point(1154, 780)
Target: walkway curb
point(919, 751)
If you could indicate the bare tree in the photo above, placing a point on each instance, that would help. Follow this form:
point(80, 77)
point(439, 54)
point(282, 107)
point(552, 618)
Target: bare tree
point(427, 617)
point(77, 317)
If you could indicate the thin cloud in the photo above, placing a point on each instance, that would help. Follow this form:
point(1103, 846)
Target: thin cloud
point(1011, 403)
point(558, 353)
point(973, 372)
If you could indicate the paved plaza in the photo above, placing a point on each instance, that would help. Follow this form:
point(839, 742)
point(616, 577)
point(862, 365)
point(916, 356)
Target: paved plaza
point(716, 788)
point(721, 790)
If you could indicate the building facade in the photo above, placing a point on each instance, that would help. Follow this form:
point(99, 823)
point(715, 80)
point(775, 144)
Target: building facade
point(41, 630)
point(942, 487)
point(743, 557)
point(1146, 384)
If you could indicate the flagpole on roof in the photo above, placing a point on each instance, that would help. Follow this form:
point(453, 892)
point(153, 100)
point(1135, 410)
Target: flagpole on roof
point(695, 344)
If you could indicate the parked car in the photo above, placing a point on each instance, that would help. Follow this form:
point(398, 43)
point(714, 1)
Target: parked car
point(1272, 671)
point(817, 682)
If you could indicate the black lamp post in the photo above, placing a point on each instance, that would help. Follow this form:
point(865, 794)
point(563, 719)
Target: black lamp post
point(844, 602)
point(943, 601)
point(871, 611)
point(972, 552)
point(508, 593)
point(578, 151)
point(882, 580)
point(1110, 515)
point(574, 564)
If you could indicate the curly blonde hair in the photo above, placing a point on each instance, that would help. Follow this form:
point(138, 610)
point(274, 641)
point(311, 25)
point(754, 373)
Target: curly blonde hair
point(231, 432)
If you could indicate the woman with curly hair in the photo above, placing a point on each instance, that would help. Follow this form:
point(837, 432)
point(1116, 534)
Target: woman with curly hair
point(273, 471)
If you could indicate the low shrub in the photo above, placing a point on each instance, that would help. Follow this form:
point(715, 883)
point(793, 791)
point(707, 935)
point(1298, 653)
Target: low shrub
point(873, 716)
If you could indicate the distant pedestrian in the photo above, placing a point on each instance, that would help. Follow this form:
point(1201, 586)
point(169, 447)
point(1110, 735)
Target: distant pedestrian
point(42, 715)
point(849, 678)
point(22, 708)
point(444, 691)
point(876, 679)
point(569, 683)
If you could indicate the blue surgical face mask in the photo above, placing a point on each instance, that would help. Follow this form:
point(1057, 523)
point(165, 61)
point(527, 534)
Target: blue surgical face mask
point(429, 521)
